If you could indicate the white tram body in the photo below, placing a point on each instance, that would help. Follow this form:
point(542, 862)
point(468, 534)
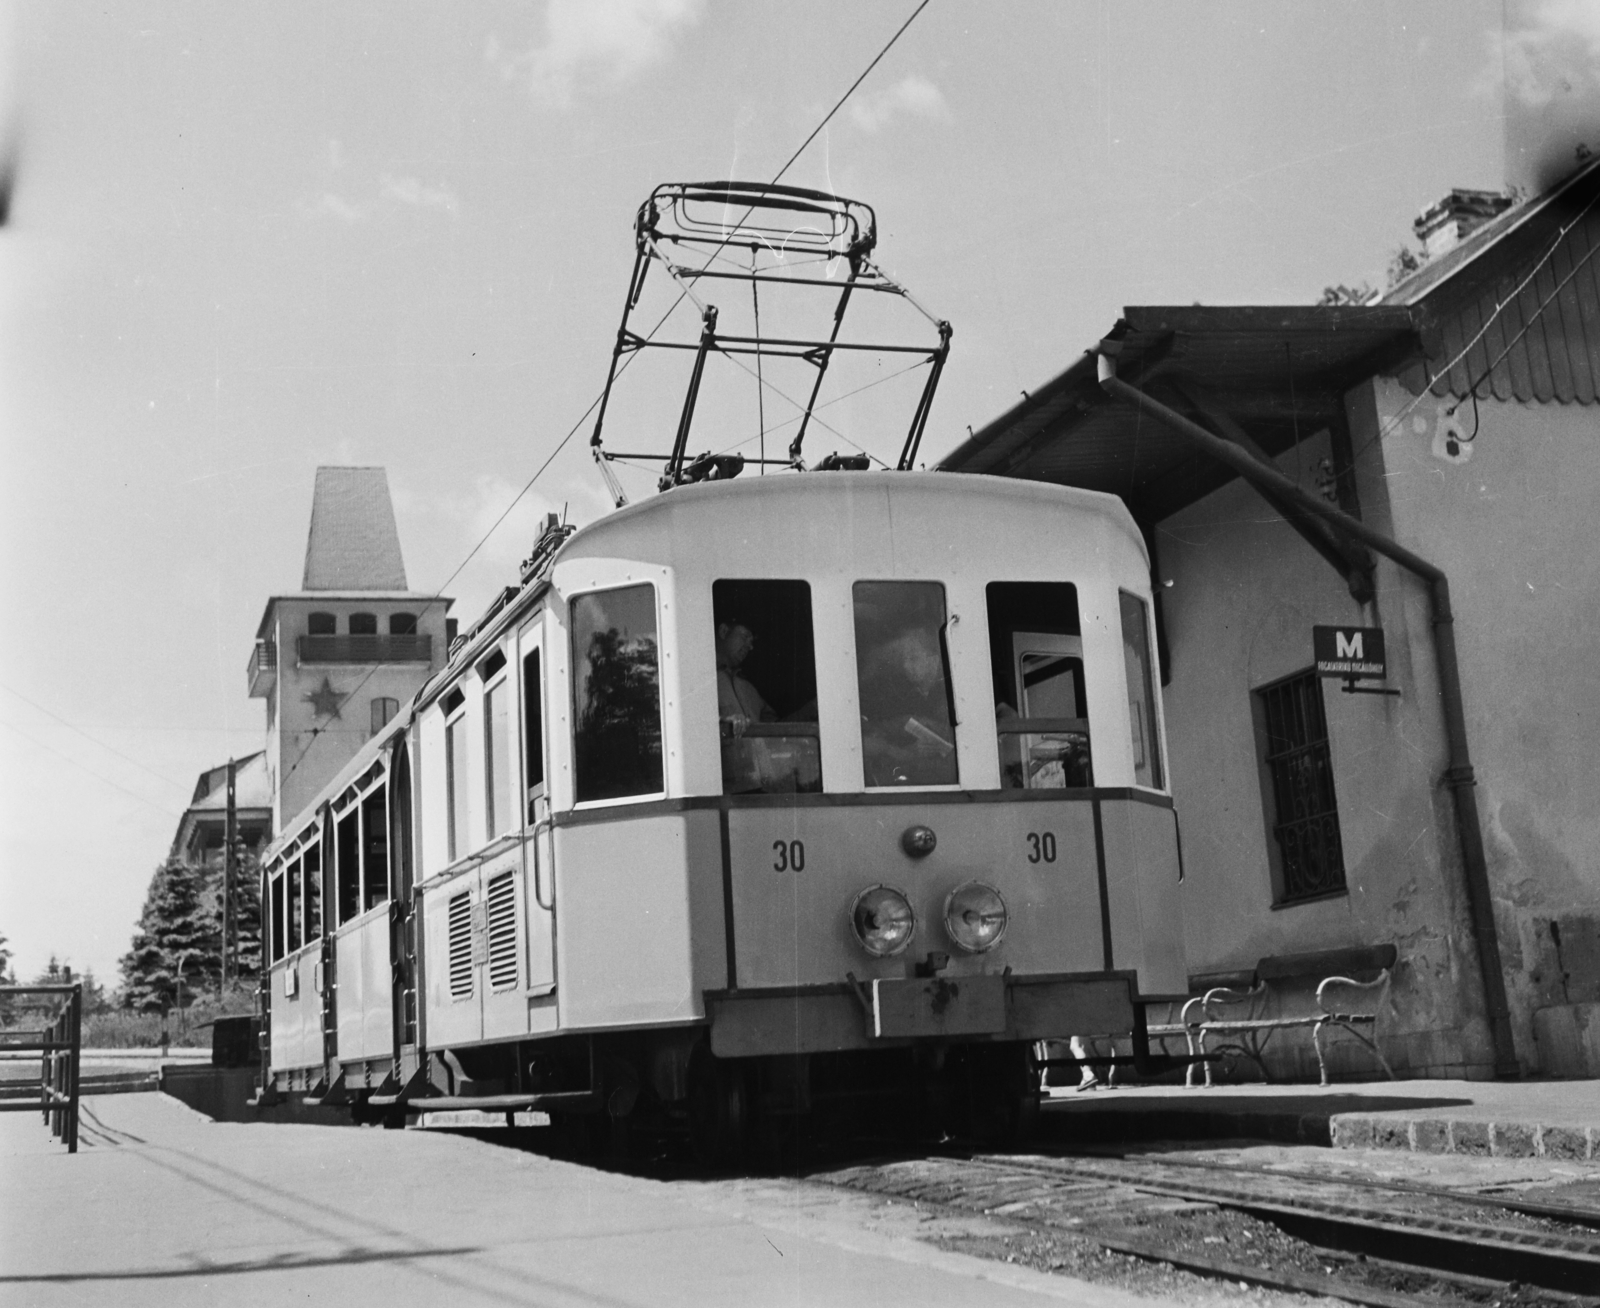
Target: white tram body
point(617, 848)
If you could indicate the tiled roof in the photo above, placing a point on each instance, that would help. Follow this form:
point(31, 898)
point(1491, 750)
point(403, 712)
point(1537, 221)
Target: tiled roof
point(353, 543)
point(251, 788)
point(1514, 310)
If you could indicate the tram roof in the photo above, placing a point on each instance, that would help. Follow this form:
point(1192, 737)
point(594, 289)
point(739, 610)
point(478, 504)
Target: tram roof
point(1280, 372)
point(798, 492)
point(362, 762)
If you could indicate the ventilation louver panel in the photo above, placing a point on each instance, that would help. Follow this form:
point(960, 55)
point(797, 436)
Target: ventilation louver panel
point(461, 945)
point(502, 899)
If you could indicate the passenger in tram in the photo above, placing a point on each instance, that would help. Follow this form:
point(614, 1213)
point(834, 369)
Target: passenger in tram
point(906, 733)
point(739, 703)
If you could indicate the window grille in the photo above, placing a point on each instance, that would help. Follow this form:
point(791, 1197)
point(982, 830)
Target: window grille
point(1306, 815)
point(460, 919)
point(502, 900)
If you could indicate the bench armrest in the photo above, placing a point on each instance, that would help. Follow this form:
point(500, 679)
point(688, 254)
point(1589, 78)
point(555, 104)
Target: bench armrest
point(1227, 995)
point(1375, 988)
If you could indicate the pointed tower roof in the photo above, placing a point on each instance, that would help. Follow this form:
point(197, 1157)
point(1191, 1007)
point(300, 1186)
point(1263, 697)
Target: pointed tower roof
point(353, 543)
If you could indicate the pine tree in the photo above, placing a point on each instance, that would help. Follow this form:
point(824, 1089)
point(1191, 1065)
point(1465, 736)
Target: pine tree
point(182, 923)
point(178, 930)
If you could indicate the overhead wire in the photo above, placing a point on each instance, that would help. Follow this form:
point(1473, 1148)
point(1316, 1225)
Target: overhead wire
point(110, 749)
point(1393, 424)
point(594, 403)
point(84, 767)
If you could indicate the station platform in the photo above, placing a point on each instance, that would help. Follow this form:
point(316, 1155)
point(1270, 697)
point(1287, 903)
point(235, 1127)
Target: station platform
point(1502, 1119)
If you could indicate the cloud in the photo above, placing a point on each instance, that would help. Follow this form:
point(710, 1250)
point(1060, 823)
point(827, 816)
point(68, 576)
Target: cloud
point(593, 39)
point(910, 97)
point(1551, 48)
point(410, 190)
point(329, 205)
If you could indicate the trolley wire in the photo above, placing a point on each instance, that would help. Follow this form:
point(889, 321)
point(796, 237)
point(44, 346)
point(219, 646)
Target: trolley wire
point(594, 403)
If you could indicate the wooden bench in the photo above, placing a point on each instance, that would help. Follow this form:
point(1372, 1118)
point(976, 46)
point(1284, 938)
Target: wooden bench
point(1351, 987)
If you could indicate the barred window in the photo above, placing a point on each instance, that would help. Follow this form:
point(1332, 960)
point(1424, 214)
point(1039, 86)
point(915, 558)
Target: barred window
point(1304, 811)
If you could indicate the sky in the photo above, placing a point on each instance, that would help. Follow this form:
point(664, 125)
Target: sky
point(249, 240)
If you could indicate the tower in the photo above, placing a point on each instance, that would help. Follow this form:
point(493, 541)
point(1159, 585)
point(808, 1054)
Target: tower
point(336, 659)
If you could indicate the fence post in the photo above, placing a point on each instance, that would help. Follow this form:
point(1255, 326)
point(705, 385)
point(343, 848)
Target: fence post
point(75, 1021)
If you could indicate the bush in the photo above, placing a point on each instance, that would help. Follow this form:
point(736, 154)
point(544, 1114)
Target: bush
point(125, 1029)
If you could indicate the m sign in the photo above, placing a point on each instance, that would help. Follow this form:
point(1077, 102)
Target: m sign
point(1348, 651)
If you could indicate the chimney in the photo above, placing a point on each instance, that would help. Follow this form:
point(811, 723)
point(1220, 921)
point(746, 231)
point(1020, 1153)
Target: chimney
point(1445, 223)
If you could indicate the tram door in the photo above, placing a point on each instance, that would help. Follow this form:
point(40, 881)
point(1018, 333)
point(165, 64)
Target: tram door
point(329, 976)
point(541, 889)
point(402, 909)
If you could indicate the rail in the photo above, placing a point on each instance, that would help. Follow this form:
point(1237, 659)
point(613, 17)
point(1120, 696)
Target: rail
point(58, 1046)
point(1377, 1243)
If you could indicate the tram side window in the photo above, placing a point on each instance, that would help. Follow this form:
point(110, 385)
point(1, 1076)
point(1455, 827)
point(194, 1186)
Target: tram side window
point(1141, 691)
point(766, 687)
point(1036, 659)
point(455, 774)
point(616, 696)
point(348, 865)
point(275, 890)
point(497, 755)
point(533, 728)
point(312, 864)
point(294, 918)
point(908, 734)
point(375, 848)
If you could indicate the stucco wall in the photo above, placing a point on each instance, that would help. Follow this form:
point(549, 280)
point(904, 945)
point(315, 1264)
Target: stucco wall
point(1246, 592)
point(305, 749)
point(1513, 523)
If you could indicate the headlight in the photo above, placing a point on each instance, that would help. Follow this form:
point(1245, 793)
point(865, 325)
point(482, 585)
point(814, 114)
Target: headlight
point(882, 920)
point(975, 917)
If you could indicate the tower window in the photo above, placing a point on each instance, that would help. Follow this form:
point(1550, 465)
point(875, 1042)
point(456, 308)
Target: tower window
point(363, 624)
point(383, 708)
point(402, 624)
point(321, 624)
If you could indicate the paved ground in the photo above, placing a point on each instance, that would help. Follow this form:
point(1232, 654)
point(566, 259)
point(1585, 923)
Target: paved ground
point(1514, 1119)
point(162, 1206)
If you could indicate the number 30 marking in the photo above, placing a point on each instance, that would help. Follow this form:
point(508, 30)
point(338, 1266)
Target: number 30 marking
point(791, 856)
point(1041, 846)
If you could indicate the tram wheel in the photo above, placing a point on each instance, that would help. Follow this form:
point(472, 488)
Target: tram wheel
point(719, 1109)
point(1002, 1094)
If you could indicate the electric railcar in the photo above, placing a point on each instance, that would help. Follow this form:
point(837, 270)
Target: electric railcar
point(753, 797)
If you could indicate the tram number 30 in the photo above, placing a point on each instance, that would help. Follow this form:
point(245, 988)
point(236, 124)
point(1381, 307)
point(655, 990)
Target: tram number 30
point(791, 856)
point(1041, 846)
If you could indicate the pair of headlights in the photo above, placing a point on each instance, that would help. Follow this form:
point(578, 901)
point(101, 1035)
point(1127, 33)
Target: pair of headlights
point(884, 921)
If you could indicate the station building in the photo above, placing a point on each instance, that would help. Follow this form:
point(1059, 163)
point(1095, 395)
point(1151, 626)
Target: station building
point(1457, 417)
point(336, 659)
point(201, 837)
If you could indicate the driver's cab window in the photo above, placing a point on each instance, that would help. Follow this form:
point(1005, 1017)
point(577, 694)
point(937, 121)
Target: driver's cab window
point(908, 733)
point(1041, 710)
point(766, 687)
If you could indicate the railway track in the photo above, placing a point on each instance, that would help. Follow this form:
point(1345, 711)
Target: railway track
point(1383, 1244)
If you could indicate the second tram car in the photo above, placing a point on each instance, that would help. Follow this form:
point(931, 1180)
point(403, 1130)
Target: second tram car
point(757, 797)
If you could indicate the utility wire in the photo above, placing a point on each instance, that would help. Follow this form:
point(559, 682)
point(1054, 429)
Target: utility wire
point(594, 403)
point(1393, 424)
point(126, 758)
point(161, 808)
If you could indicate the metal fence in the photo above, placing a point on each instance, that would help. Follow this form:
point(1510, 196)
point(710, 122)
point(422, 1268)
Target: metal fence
point(58, 1046)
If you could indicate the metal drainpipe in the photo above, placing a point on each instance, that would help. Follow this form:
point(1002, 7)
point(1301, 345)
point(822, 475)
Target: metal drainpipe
point(1458, 776)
